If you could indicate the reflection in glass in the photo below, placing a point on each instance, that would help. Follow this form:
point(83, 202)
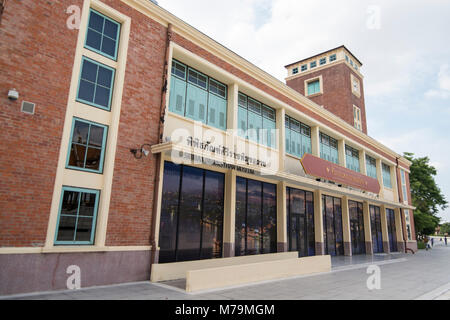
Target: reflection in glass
point(255, 217)
point(191, 214)
point(332, 225)
point(357, 227)
point(375, 224)
point(390, 217)
point(300, 210)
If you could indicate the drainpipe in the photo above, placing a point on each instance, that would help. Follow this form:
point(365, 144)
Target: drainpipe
point(399, 189)
point(162, 109)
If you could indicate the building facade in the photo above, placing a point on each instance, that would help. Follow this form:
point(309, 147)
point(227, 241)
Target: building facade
point(136, 140)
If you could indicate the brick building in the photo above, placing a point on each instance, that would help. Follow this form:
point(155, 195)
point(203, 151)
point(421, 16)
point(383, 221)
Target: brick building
point(129, 139)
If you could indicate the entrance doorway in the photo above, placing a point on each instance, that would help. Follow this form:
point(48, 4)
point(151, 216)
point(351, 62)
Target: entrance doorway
point(357, 227)
point(390, 217)
point(332, 226)
point(300, 223)
point(375, 224)
point(192, 209)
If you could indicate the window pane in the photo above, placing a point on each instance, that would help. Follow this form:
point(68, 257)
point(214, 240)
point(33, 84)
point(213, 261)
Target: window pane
point(104, 77)
point(89, 71)
point(241, 212)
point(69, 204)
point(169, 216)
point(111, 29)
point(93, 39)
point(84, 229)
point(86, 91)
point(96, 136)
point(96, 21)
point(80, 132)
point(189, 226)
point(66, 229)
point(212, 215)
point(77, 156)
point(93, 158)
point(269, 218)
point(254, 203)
point(102, 96)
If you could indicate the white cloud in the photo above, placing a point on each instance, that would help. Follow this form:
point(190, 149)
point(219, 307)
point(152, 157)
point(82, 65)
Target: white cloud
point(443, 90)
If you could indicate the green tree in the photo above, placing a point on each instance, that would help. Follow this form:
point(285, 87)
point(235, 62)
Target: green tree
point(426, 195)
point(445, 228)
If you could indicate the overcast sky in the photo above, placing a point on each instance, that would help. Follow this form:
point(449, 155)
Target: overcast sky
point(404, 47)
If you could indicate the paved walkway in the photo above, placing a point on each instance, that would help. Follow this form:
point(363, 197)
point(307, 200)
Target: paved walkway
point(424, 275)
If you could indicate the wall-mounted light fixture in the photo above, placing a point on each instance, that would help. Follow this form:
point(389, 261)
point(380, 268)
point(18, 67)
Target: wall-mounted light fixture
point(142, 151)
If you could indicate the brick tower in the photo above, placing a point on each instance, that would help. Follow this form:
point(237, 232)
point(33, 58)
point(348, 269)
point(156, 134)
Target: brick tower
point(333, 80)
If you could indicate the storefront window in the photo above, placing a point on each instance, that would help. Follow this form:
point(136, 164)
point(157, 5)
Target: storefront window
point(357, 227)
point(256, 215)
point(390, 216)
point(300, 222)
point(375, 223)
point(332, 226)
point(191, 214)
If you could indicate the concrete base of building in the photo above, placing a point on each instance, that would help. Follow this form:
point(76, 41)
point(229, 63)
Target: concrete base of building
point(26, 273)
point(369, 248)
point(348, 249)
point(412, 245)
point(401, 246)
point(320, 249)
point(282, 247)
point(228, 249)
point(386, 247)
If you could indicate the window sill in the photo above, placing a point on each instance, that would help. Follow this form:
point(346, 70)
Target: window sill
point(314, 95)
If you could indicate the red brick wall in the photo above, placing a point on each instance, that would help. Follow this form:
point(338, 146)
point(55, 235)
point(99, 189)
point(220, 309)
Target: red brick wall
point(129, 221)
point(36, 58)
point(337, 94)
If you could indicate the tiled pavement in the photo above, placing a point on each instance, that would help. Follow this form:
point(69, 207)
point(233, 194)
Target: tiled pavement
point(424, 275)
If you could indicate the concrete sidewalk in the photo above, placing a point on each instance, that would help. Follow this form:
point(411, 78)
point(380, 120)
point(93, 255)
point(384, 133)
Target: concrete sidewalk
point(421, 276)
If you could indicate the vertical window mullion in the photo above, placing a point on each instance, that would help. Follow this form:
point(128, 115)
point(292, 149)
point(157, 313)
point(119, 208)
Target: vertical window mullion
point(78, 215)
point(87, 145)
point(201, 215)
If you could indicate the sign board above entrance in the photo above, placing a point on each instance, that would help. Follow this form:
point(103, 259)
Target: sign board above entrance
point(320, 168)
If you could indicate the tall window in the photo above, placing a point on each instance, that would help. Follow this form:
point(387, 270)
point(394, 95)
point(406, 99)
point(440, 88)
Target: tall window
point(329, 148)
point(256, 217)
point(77, 216)
point(375, 224)
point(192, 208)
point(404, 190)
point(357, 118)
point(386, 176)
point(102, 35)
point(298, 137)
point(352, 158)
point(332, 226)
point(96, 84)
point(371, 167)
point(196, 96)
point(256, 121)
point(392, 235)
point(357, 227)
point(300, 222)
point(87, 146)
point(313, 87)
